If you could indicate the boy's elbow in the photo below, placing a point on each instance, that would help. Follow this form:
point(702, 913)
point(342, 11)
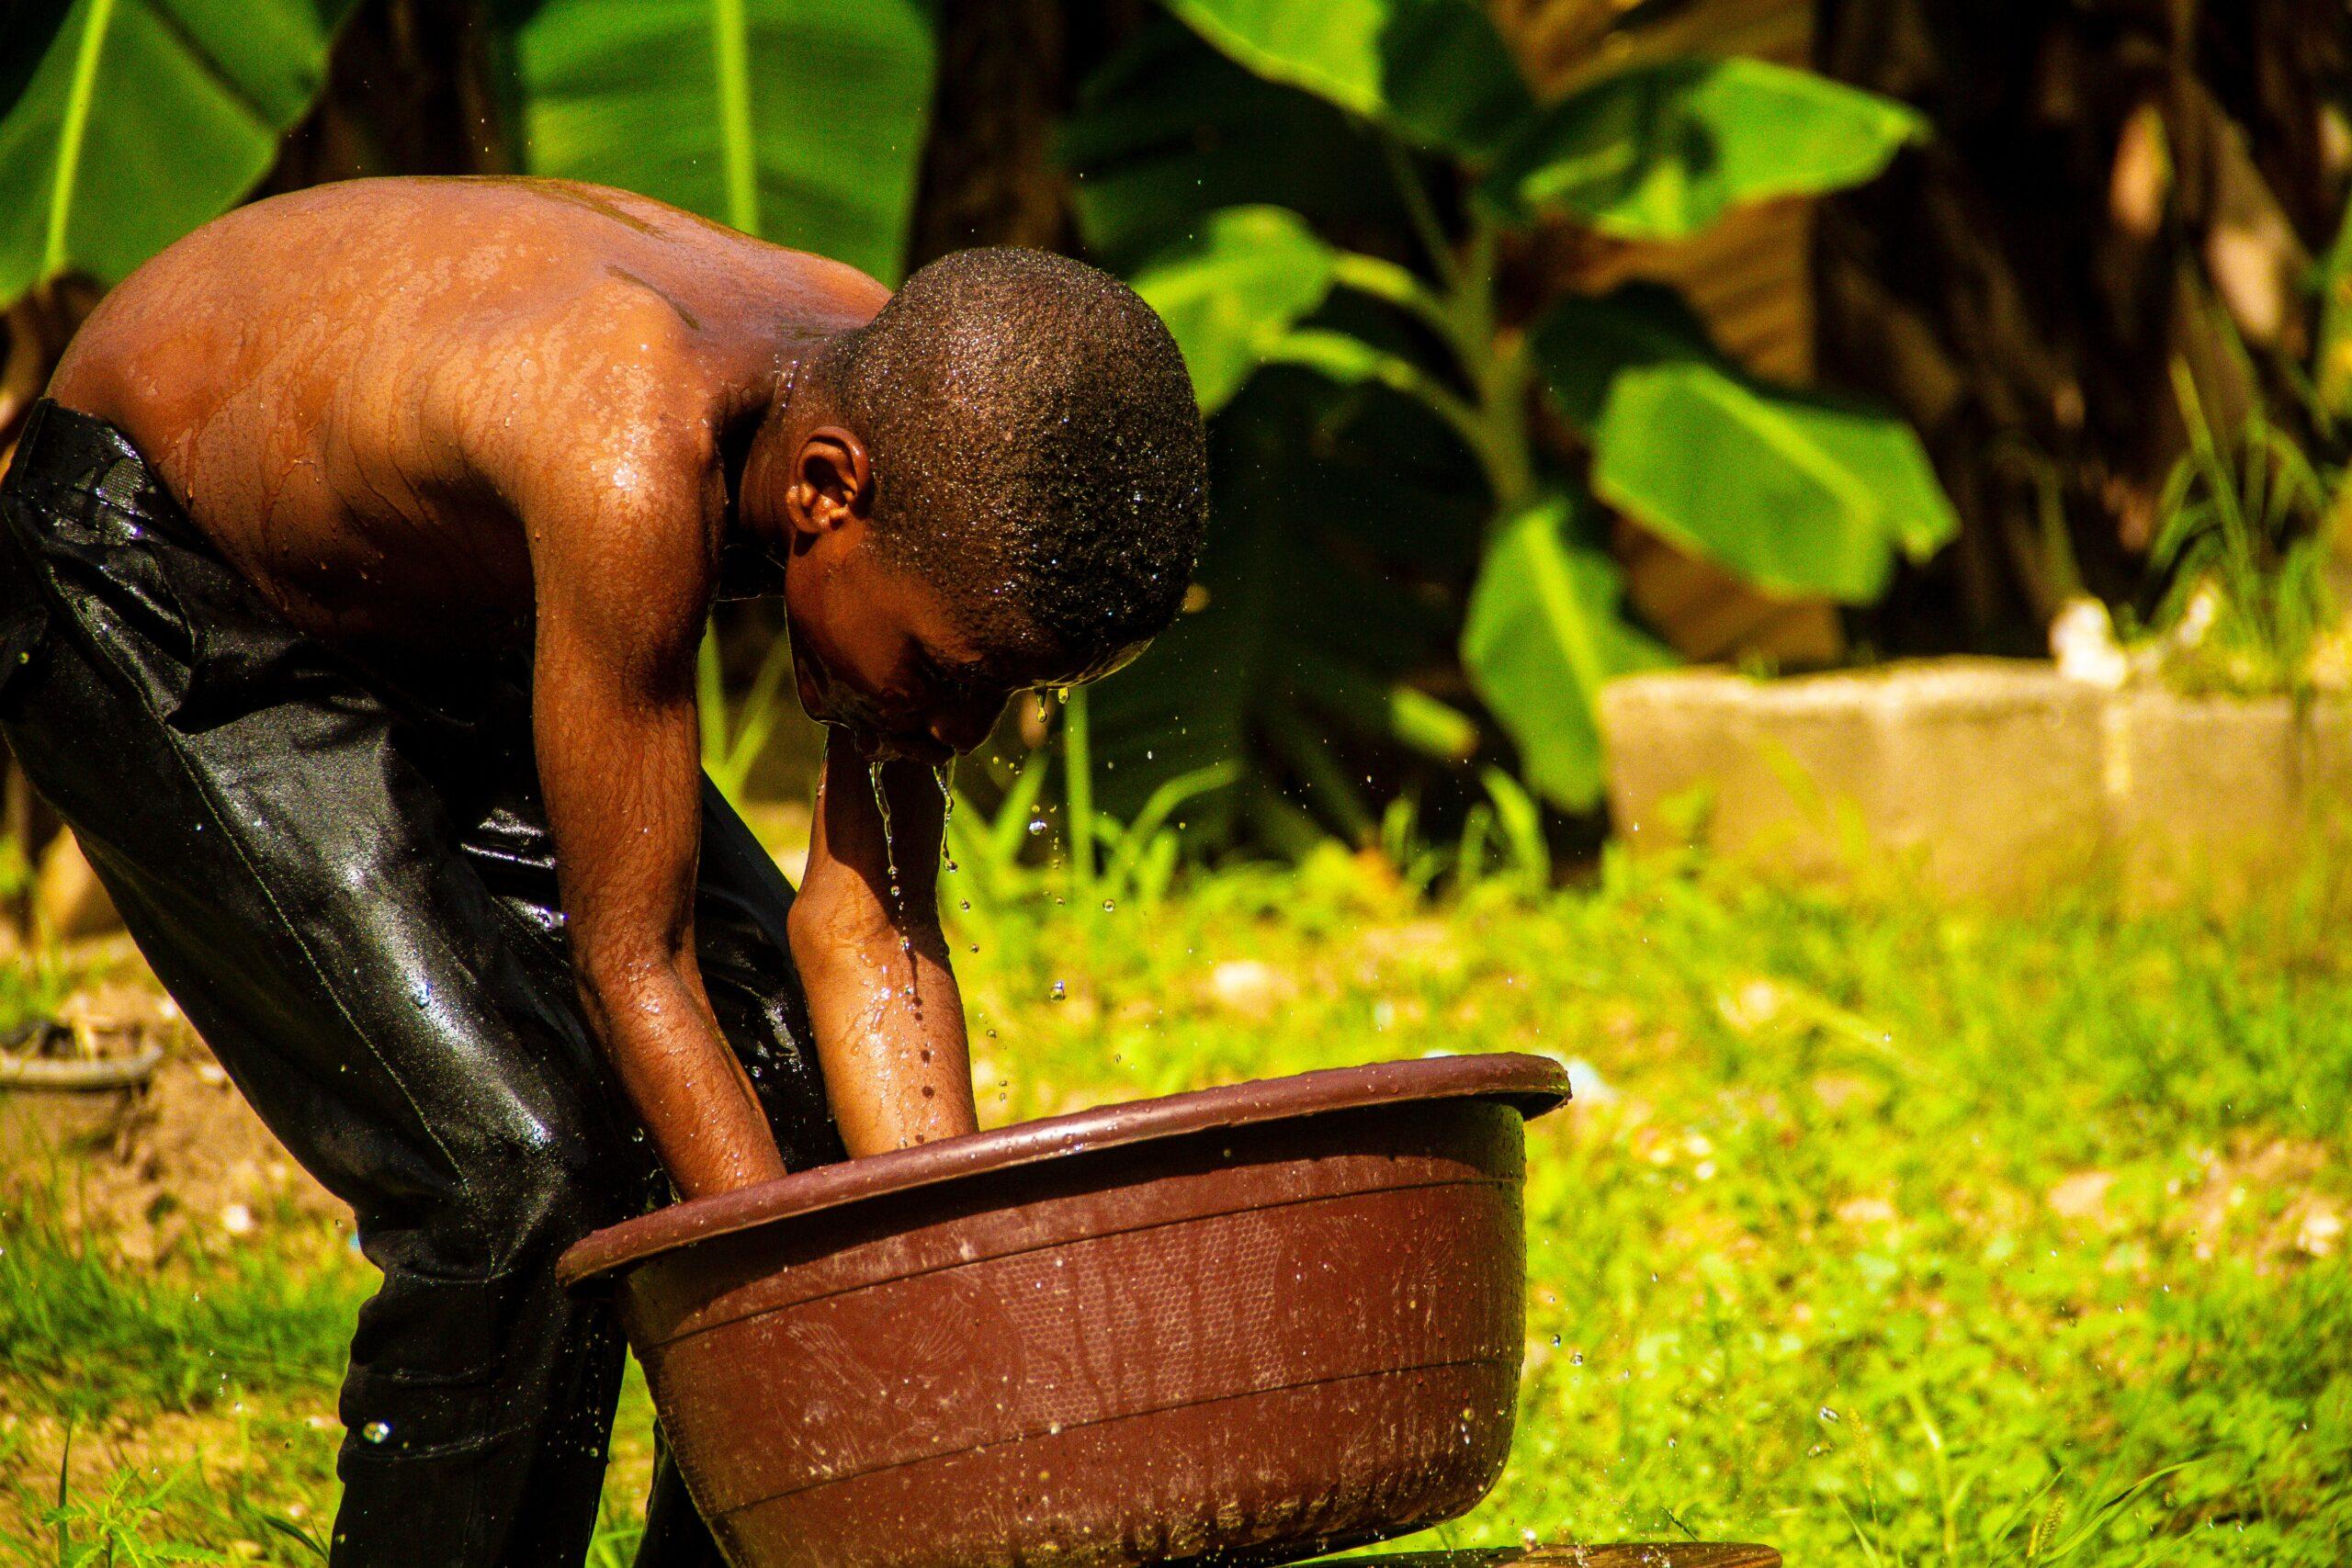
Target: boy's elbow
point(618, 977)
point(837, 919)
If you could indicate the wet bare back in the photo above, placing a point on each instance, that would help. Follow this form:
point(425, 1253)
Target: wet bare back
point(361, 392)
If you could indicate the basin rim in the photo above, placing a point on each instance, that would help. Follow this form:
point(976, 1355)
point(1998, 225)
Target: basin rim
point(1533, 1085)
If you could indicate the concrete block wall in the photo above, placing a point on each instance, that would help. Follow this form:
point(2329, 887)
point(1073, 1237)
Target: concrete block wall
point(1990, 779)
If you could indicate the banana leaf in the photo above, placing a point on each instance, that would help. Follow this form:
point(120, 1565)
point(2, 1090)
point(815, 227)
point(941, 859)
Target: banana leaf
point(1542, 635)
point(1662, 151)
point(799, 120)
point(1798, 491)
point(1231, 292)
point(1295, 636)
point(1435, 71)
point(143, 119)
point(1168, 130)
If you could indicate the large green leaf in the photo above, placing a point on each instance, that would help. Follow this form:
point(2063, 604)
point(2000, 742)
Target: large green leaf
point(1168, 130)
point(1543, 633)
point(1307, 637)
point(799, 120)
point(1233, 289)
point(144, 118)
point(1662, 151)
point(1435, 71)
point(1799, 492)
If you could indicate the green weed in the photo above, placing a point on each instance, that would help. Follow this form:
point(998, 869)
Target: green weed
point(89, 1335)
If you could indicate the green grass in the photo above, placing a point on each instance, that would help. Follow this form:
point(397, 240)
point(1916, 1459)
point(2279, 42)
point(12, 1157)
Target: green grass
point(1885, 1234)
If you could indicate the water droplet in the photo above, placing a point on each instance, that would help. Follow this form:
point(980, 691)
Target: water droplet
point(376, 1431)
point(1577, 1359)
point(1828, 1415)
point(890, 848)
point(1059, 990)
point(1108, 905)
point(1037, 826)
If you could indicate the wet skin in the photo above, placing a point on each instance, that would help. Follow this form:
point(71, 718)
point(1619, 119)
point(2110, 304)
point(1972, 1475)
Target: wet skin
point(431, 419)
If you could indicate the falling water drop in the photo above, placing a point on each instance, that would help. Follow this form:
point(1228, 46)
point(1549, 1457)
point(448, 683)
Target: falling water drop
point(890, 847)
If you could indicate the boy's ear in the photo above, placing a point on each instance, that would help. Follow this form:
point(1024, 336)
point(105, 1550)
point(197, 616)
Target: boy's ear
point(833, 481)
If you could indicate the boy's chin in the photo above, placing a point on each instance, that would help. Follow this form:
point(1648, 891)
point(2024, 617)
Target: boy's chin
point(875, 746)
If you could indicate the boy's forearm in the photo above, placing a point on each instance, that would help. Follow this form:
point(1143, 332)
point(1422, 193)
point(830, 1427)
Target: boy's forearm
point(693, 1096)
point(889, 1027)
point(865, 937)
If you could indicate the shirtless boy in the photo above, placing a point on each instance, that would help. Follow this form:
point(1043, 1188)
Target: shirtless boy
point(352, 578)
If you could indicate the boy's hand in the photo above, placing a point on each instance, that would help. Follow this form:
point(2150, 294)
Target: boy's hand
point(882, 997)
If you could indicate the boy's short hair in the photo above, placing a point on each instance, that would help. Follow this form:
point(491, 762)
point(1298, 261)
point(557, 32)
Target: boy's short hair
point(1037, 451)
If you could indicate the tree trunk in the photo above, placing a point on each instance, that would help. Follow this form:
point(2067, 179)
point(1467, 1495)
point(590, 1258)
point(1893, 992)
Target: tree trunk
point(2110, 186)
point(1008, 72)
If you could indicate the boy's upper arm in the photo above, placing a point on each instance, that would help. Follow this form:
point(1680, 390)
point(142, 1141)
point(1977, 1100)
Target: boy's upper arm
point(622, 571)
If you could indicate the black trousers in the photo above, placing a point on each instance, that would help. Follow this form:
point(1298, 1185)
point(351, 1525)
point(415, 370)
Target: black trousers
point(348, 884)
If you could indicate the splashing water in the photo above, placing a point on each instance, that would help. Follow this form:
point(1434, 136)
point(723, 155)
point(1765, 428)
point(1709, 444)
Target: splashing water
point(890, 847)
point(946, 775)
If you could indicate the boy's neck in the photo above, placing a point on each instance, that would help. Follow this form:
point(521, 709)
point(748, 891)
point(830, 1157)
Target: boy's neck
point(757, 463)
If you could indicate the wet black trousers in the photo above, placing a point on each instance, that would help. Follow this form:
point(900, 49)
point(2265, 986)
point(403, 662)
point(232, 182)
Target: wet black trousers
point(349, 889)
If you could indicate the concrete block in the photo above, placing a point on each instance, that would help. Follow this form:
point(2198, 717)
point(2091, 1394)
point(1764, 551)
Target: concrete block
point(1992, 780)
point(1984, 774)
point(2214, 798)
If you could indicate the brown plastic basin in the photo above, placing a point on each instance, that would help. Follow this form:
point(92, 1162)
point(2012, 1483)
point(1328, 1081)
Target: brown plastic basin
point(1258, 1322)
